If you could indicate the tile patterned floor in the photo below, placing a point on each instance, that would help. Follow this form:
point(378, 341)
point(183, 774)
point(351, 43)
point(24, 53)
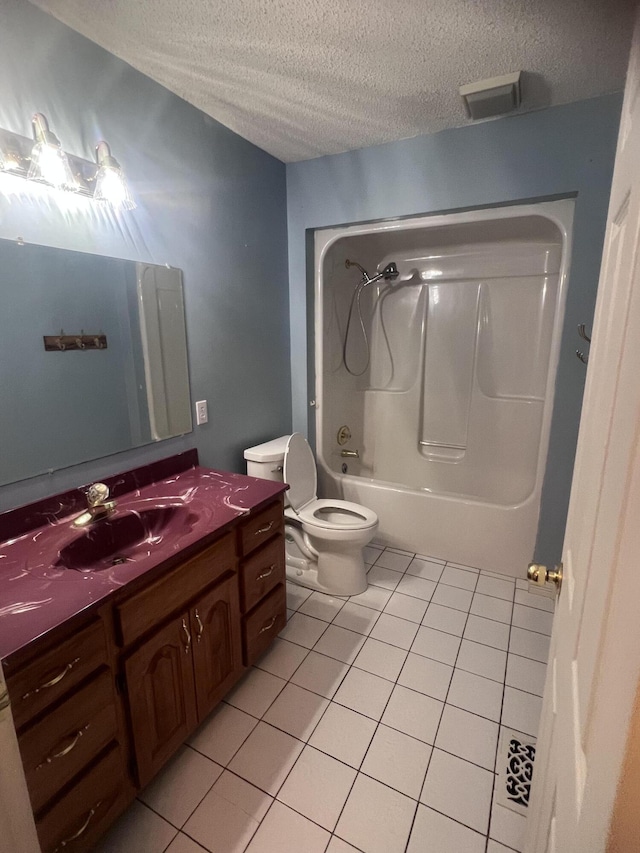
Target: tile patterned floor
point(371, 725)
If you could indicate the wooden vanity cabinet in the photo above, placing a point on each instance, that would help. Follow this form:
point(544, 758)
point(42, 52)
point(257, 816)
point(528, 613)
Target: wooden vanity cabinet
point(101, 710)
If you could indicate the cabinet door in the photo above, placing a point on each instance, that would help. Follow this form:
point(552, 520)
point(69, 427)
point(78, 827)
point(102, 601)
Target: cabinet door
point(161, 696)
point(217, 650)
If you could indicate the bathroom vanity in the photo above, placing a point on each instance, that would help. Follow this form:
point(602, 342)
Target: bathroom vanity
point(118, 639)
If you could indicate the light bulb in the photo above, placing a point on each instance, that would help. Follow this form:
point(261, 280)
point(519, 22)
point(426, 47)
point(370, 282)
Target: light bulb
point(49, 163)
point(111, 184)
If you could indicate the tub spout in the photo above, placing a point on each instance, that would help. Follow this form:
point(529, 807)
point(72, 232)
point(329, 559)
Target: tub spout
point(350, 454)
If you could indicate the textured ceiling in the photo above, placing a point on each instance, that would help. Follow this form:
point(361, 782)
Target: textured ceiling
point(302, 78)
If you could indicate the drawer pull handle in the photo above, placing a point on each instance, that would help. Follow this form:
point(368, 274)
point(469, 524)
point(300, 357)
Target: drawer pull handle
point(268, 626)
point(200, 626)
point(187, 636)
point(55, 680)
point(67, 749)
point(82, 829)
point(264, 529)
point(267, 572)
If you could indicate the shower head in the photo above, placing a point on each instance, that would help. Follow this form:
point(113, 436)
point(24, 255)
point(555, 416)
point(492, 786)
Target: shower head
point(389, 273)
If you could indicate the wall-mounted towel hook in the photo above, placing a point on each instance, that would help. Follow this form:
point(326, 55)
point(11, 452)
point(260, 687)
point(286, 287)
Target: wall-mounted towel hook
point(583, 358)
point(583, 334)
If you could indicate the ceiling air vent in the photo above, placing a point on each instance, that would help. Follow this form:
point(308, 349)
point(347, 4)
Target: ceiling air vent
point(493, 97)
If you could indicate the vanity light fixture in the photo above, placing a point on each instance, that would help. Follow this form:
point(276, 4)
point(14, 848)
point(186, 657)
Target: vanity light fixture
point(49, 163)
point(46, 162)
point(111, 184)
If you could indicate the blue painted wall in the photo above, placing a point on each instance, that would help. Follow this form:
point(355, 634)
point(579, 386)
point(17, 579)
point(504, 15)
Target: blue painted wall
point(209, 202)
point(563, 150)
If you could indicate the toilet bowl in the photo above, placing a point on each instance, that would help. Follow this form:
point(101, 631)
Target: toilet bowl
point(324, 537)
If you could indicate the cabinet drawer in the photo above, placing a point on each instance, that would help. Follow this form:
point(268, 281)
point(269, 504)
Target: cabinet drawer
point(68, 738)
point(50, 676)
point(172, 592)
point(260, 527)
point(77, 821)
point(261, 572)
point(264, 623)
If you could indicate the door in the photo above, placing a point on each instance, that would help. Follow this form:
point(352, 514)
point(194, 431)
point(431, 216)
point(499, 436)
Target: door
point(594, 663)
point(217, 650)
point(161, 696)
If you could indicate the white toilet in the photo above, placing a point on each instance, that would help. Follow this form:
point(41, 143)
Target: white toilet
point(324, 538)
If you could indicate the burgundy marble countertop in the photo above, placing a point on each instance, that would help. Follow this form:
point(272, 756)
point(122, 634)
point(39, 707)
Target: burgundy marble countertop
point(44, 579)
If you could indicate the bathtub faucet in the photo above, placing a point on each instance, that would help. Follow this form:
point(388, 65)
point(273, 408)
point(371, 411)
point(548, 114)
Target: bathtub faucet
point(350, 454)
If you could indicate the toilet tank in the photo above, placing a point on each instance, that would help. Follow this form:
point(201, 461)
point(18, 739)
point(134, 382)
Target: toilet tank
point(265, 460)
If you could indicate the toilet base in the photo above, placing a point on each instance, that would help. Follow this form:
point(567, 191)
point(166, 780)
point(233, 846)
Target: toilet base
point(344, 577)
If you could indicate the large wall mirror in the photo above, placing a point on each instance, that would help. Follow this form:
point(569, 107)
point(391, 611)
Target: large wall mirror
point(93, 357)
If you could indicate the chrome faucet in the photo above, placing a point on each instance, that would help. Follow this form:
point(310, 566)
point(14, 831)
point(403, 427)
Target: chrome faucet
point(98, 505)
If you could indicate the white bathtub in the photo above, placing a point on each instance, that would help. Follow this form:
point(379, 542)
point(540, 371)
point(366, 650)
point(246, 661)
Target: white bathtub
point(451, 412)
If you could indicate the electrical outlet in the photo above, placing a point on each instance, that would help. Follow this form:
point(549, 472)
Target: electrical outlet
point(202, 412)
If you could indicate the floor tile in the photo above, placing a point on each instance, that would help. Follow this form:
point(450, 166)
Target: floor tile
point(463, 566)
point(528, 644)
point(344, 734)
point(532, 619)
point(228, 816)
point(522, 584)
point(431, 559)
point(318, 787)
point(296, 595)
point(417, 587)
point(476, 694)
point(493, 847)
point(363, 692)
point(395, 550)
point(426, 569)
point(507, 827)
point(521, 711)
point(180, 786)
point(320, 674)
point(376, 819)
point(426, 676)
point(282, 659)
point(435, 832)
point(386, 578)
point(459, 577)
point(322, 606)
point(397, 760)
point(285, 831)
point(374, 597)
point(296, 711)
point(487, 631)
point(497, 588)
point(303, 630)
point(395, 561)
point(436, 645)
point(468, 736)
point(525, 674)
point(381, 659)
point(482, 660)
point(406, 607)
point(491, 608)
point(395, 631)
point(337, 845)
point(183, 844)
point(266, 757)
point(138, 828)
point(223, 733)
point(451, 596)
point(458, 789)
point(413, 713)
point(540, 602)
point(356, 618)
point(371, 553)
point(445, 619)
point(255, 692)
point(339, 643)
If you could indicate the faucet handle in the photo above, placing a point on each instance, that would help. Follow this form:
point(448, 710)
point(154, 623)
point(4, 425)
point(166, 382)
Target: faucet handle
point(97, 494)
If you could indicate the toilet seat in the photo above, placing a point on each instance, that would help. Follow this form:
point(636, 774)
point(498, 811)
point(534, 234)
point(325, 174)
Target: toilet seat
point(299, 471)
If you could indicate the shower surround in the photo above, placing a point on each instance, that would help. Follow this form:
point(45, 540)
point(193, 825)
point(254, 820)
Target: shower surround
point(444, 375)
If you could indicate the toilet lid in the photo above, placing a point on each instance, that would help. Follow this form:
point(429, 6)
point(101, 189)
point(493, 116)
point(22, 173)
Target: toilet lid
point(299, 472)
